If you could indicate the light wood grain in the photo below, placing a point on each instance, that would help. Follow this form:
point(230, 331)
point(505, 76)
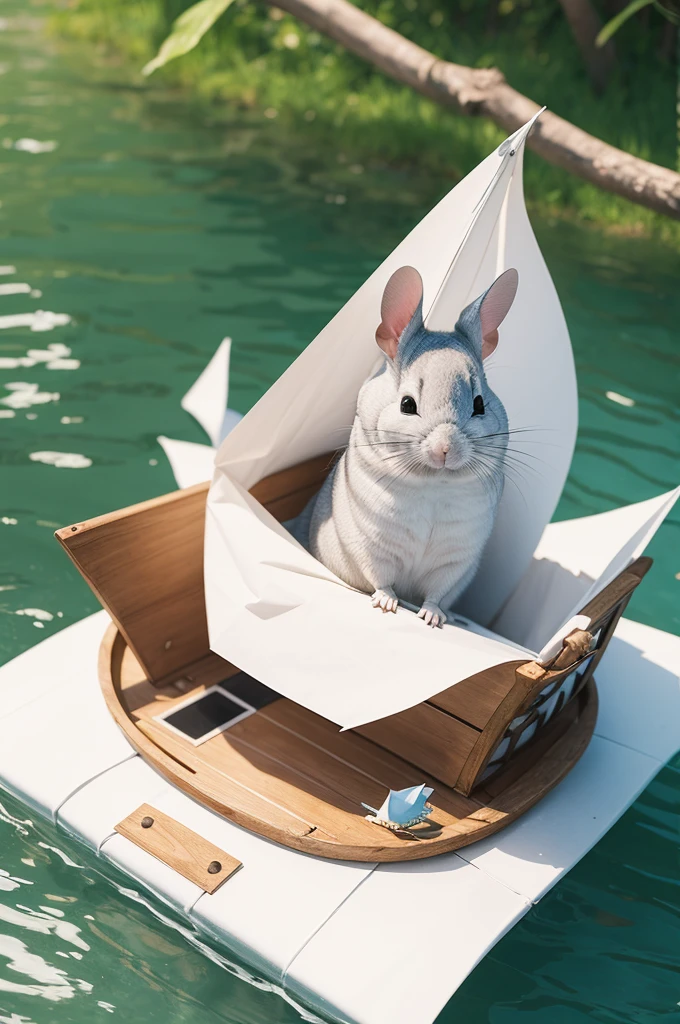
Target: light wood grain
point(428, 738)
point(531, 678)
point(284, 772)
point(475, 699)
point(184, 851)
point(300, 786)
point(145, 565)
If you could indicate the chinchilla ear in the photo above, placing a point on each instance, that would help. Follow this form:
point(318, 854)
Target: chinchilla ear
point(402, 305)
point(482, 318)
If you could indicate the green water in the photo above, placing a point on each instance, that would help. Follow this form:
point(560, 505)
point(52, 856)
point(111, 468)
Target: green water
point(158, 228)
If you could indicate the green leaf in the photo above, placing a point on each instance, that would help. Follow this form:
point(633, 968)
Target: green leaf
point(617, 21)
point(187, 31)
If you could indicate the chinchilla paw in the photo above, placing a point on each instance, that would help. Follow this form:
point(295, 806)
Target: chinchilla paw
point(386, 600)
point(432, 615)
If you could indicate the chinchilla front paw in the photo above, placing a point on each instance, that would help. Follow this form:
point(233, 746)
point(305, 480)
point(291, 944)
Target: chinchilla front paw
point(431, 614)
point(386, 600)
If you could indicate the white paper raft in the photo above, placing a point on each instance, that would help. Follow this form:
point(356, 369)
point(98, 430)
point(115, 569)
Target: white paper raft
point(280, 615)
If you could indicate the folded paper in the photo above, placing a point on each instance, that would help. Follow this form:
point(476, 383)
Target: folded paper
point(402, 807)
point(284, 618)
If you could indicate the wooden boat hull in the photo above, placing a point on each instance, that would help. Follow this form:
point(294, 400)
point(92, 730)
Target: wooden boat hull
point(292, 777)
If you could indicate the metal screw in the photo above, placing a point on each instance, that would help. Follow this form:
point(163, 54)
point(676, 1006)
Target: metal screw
point(214, 867)
point(73, 529)
point(147, 822)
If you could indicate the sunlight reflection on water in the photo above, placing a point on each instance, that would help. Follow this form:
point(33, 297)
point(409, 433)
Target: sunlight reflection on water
point(152, 235)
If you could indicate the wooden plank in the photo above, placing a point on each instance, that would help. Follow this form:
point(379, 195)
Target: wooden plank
point(622, 586)
point(368, 759)
point(174, 844)
point(428, 738)
point(246, 787)
point(475, 699)
point(336, 813)
point(290, 505)
point(345, 762)
point(233, 799)
point(276, 786)
point(541, 766)
point(145, 565)
point(295, 478)
point(339, 776)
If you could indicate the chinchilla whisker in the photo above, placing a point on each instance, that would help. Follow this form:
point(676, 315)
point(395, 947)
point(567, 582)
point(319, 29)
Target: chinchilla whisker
point(508, 447)
point(511, 478)
point(375, 444)
point(509, 461)
point(511, 453)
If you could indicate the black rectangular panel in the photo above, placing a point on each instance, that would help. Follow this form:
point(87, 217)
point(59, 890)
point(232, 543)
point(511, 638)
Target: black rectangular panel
point(250, 690)
point(211, 711)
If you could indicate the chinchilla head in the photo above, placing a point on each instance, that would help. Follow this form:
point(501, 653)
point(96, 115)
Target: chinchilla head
point(430, 409)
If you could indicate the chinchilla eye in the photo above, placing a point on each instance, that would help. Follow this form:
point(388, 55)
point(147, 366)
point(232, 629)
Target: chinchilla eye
point(478, 406)
point(408, 406)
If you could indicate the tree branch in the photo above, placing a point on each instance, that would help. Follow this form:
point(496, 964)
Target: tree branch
point(485, 93)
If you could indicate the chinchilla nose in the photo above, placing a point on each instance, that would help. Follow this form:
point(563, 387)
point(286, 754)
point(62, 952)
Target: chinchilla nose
point(442, 447)
point(439, 451)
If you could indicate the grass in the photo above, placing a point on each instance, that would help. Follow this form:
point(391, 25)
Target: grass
point(260, 58)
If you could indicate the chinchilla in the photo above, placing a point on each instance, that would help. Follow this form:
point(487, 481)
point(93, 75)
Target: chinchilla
point(407, 510)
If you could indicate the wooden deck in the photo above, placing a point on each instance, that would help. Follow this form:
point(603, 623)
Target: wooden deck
point(293, 777)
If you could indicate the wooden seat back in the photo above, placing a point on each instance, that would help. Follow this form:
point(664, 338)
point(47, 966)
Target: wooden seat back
point(145, 565)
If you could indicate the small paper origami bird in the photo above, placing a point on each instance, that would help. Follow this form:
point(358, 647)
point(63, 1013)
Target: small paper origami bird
point(403, 807)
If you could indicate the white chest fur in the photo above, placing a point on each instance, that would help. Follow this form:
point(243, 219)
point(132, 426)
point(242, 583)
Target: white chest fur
point(422, 542)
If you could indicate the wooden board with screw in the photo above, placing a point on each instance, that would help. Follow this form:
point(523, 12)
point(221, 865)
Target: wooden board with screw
point(178, 847)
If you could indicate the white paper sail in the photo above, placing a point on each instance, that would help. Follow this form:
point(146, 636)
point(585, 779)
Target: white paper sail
point(279, 614)
point(206, 400)
point(574, 561)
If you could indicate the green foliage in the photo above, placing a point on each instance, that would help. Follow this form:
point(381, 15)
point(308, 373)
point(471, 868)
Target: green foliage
point(619, 19)
point(260, 58)
point(187, 32)
point(670, 9)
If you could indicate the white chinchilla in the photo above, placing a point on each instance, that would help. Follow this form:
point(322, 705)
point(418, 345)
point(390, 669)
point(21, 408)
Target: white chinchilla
point(406, 511)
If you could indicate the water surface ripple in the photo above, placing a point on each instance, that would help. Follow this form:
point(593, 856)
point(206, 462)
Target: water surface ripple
point(136, 231)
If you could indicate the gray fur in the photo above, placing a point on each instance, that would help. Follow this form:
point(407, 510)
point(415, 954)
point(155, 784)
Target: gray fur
point(388, 520)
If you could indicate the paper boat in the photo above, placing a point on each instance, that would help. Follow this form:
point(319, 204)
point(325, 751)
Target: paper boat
point(183, 764)
point(505, 687)
point(403, 808)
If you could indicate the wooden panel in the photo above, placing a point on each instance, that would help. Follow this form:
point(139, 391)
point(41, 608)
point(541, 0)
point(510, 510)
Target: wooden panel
point(378, 764)
point(339, 775)
point(145, 565)
point(426, 737)
point(295, 478)
point(621, 587)
point(286, 799)
point(284, 789)
point(177, 846)
point(307, 746)
point(541, 765)
point(475, 699)
point(209, 787)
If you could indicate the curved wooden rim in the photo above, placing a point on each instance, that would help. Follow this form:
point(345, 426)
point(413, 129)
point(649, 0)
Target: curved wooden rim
point(526, 785)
